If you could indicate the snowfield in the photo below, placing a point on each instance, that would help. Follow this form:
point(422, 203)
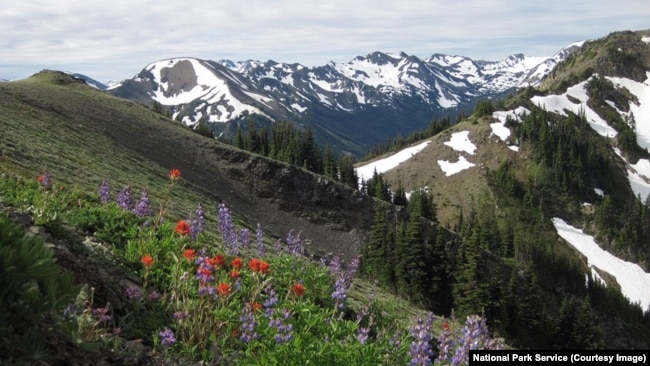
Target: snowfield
point(500, 130)
point(450, 168)
point(634, 282)
point(365, 172)
point(460, 142)
point(562, 103)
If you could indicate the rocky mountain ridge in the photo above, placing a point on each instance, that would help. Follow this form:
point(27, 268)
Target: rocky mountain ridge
point(351, 106)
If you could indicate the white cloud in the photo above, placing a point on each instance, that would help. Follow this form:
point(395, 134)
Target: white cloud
point(114, 40)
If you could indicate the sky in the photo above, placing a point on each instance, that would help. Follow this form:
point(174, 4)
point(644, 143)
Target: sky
point(114, 40)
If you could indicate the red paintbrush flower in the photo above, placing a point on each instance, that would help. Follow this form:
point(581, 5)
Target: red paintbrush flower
point(174, 174)
point(182, 228)
point(147, 260)
point(298, 289)
point(189, 254)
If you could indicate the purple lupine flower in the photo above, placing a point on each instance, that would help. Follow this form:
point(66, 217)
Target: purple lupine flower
point(133, 293)
point(284, 330)
point(167, 337)
point(207, 290)
point(105, 191)
point(142, 208)
point(270, 302)
point(196, 222)
point(155, 295)
point(204, 274)
point(245, 238)
point(180, 315)
point(475, 335)
point(123, 199)
point(351, 270)
point(248, 325)
point(295, 244)
point(342, 279)
point(362, 334)
point(334, 264)
point(227, 229)
point(421, 351)
point(454, 347)
point(340, 292)
point(445, 344)
point(259, 239)
point(101, 314)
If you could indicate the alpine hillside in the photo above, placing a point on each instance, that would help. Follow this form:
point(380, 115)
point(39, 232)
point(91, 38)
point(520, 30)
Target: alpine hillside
point(549, 190)
point(350, 106)
point(531, 210)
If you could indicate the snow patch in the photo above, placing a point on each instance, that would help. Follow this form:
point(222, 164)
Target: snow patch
point(450, 168)
point(561, 103)
point(638, 175)
point(460, 142)
point(645, 39)
point(365, 172)
point(641, 111)
point(634, 282)
point(298, 107)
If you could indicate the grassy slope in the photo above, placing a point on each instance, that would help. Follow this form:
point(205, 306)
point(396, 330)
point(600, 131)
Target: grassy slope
point(53, 123)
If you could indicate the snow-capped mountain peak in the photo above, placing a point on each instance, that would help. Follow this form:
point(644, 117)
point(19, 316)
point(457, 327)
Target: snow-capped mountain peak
point(381, 89)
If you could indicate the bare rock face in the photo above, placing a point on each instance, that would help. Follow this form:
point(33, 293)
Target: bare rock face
point(333, 217)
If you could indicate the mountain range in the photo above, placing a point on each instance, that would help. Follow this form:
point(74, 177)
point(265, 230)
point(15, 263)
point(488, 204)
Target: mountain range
point(350, 106)
point(513, 183)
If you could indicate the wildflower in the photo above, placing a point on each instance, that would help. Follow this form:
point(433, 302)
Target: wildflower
point(236, 263)
point(101, 314)
point(142, 208)
point(258, 265)
point(182, 228)
point(259, 238)
point(167, 337)
point(45, 180)
point(363, 334)
point(298, 289)
point(234, 274)
point(223, 289)
point(295, 244)
point(180, 314)
point(474, 335)
point(270, 302)
point(189, 254)
point(174, 174)
point(284, 330)
point(105, 191)
point(147, 260)
point(421, 351)
point(248, 325)
point(264, 267)
point(196, 222)
point(227, 229)
point(206, 290)
point(133, 293)
point(123, 199)
point(155, 295)
point(204, 274)
point(244, 238)
point(217, 261)
point(343, 279)
point(257, 306)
